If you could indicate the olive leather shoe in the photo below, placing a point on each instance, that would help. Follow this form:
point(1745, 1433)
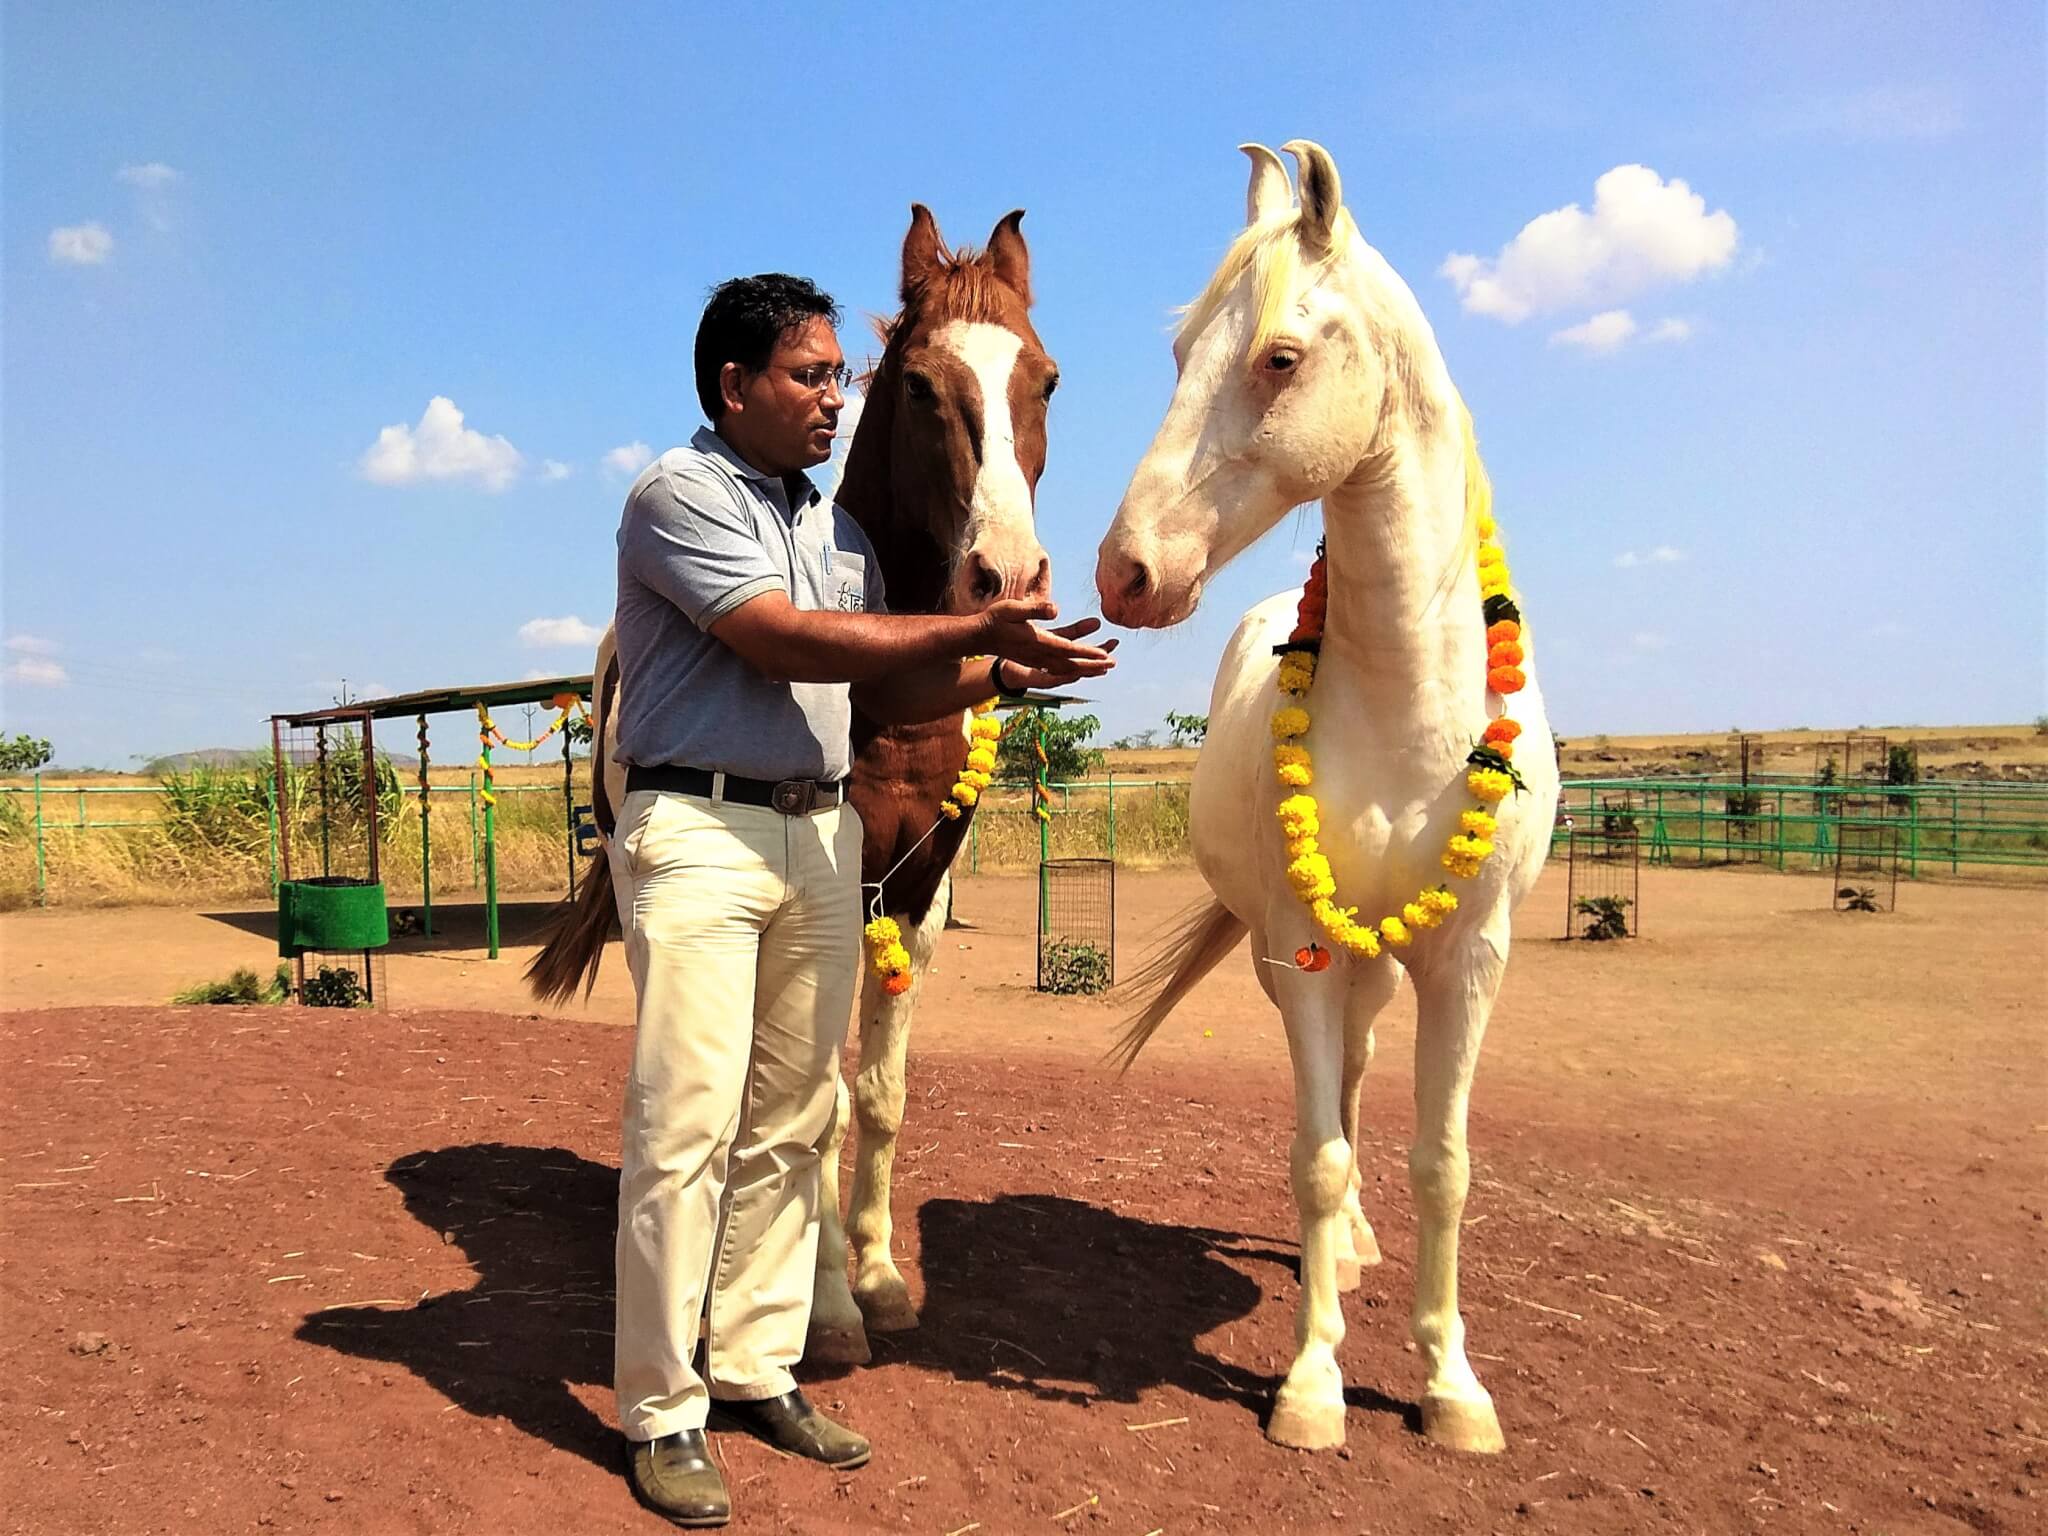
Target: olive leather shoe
point(791, 1424)
point(675, 1477)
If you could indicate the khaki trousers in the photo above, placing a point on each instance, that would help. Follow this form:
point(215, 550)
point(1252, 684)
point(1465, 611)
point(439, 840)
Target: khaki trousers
point(742, 929)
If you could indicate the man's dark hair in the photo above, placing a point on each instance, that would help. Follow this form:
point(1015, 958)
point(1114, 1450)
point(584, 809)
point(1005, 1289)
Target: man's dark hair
point(744, 320)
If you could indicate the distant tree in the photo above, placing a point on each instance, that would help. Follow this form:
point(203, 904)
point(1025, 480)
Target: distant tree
point(1068, 755)
point(1140, 741)
point(23, 753)
point(1188, 730)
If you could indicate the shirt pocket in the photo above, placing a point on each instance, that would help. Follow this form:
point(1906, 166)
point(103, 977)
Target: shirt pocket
point(846, 581)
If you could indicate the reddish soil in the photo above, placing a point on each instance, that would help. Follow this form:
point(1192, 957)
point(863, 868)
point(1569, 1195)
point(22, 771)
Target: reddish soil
point(1756, 1241)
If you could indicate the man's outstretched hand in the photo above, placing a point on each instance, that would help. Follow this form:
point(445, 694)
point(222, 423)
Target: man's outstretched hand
point(1040, 657)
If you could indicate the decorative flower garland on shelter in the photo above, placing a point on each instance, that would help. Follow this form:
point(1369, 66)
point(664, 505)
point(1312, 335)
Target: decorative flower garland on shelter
point(1489, 771)
point(887, 956)
point(489, 736)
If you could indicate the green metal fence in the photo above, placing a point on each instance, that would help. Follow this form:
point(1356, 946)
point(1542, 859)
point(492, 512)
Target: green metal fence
point(1942, 828)
point(65, 808)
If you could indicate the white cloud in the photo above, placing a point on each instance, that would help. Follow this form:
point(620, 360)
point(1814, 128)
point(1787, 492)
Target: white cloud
point(37, 670)
point(1642, 233)
point(1603, 333)
point(629, 458)
point(80, 245)
point(440, 448)
point(1663, 554)
point(1670, 330)
point(554, 469)
point(32, 645)
point(154, 174)
point(537, 633)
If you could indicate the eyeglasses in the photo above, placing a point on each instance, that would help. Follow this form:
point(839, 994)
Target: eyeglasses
point(819, 377)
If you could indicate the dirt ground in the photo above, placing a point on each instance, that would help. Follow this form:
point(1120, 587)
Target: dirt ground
point(1756, 1241)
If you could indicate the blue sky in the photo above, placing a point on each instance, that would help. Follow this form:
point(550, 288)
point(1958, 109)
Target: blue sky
point(1799, 480)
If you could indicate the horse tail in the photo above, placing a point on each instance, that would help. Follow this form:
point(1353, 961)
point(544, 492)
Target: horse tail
point(573, 942)
point(1201, 937)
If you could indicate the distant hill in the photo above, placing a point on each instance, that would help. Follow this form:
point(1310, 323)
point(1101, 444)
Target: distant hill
point(242, 757)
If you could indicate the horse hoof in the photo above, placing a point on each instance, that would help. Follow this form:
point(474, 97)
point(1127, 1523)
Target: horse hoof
point(1347, 1274)
point(1463, 1424)
point(1366, 1245)
point(837, 1346)
point(1306, 1426)
point(885, 1307)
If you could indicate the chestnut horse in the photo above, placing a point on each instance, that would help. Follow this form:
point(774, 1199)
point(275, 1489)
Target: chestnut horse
point(942, 476)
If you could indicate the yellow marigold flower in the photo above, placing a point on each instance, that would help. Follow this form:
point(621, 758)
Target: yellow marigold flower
point(949, 810)
point(1298, 816)
point(983, 758)
point(1310, 877)
point(1461, 865)
point(1296, 776)
point(1439, 901)
point(1415, 915)
point(983, 708)
point(1297, 672)
point(1486, 525)
point(1489, 785)
point(895, 958)
point(1362, 942)
point(1470, 847)
point(966, 794)
point(976, 778)
point(1395, 932)
point(1478, 823)
point(1329, 914)
point(1289, 723)
point(1285, 754)
point(883, 932)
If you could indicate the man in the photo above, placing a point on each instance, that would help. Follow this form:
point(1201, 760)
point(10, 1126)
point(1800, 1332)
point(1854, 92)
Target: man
point(750, 611)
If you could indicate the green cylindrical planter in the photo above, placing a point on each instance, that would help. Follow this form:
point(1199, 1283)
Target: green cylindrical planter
point(334, 913)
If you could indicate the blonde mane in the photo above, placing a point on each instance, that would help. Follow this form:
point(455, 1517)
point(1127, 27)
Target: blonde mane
point(1271, 251)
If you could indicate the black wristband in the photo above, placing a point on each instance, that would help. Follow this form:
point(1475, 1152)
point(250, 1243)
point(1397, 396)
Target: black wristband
point(995, 677)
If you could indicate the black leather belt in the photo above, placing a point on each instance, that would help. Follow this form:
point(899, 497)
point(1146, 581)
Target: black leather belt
point(792, 797)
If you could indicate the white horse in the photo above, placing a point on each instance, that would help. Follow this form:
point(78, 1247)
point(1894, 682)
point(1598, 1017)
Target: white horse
point(1308, 372)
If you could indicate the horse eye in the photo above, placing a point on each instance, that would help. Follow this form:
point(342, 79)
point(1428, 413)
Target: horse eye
point(918, 386)
point(1051, 384)
point(1282, 361)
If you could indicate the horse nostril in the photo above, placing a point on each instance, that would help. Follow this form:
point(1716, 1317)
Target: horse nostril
point(1140, 580)
point(986, 582)
point(1041, 579)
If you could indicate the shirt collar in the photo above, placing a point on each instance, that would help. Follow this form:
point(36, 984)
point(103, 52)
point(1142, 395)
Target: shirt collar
point(708, 441)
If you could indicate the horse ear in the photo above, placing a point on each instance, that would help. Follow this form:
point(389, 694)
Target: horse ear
point(1010, 256)
point(1268, 194)
point(924, 248)
point(1322, 193)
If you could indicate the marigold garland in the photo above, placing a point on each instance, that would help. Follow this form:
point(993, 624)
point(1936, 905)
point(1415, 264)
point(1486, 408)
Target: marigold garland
point(1490, 775)
point(887, 957)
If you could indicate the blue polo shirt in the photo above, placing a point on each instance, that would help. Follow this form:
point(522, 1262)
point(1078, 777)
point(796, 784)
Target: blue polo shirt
point(703, 532)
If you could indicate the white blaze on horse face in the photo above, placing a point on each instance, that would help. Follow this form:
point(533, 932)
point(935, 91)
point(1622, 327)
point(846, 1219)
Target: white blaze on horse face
point(1000, 537)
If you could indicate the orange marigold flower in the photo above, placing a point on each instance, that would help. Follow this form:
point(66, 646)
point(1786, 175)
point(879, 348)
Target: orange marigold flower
point(1506, 654)
point(1502, 729)
point(1506, 629)
point(1506, 749)
point(1505, 679)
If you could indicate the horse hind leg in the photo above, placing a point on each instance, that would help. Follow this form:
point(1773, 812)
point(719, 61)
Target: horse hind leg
point(837, 1334)
point(1369, 993)
point(878, 1097)
point(1457, 1412)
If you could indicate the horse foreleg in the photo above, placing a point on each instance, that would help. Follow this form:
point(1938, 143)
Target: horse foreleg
point(1308, 1411)
point(1453, 1006)
point(878, 1096)
point(1370, 992)
point(837, 1335)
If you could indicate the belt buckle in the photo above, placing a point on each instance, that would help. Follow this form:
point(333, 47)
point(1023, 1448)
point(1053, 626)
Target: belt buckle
point(794, 797)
